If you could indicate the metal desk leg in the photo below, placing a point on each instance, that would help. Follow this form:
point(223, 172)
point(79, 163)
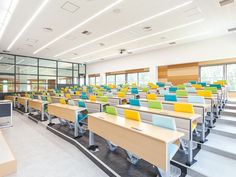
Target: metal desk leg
point(211, 116)
point(203, 136)
point(190, 147)
point(76, 131)
point(26, 108)
point(91, 139)
point(42, 113)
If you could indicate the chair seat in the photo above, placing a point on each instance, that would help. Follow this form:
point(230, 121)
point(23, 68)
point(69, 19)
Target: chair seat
point(173, 148)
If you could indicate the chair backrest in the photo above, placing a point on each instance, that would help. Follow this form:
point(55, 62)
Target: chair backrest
point(204, 93)
point(172, 89)
point(84, 97)
point(220, 82)
point(218, 86)
point(193, 82)
point(134, 91)
point(154, 86)
point(155, 104)
point(104, 99)
point(121, 95)
point(170, 98)
point(197, 86)
point(111, 110)
point(184, 107)
point(181, 93)
point(71, 102)
point(83, 93)
point(81, 104)
point(212, 89)
point(151, 96)
point(196, 99)
point(133, 115)
point(68, 96)
point(164, 122)
point(49, 99)
point(62, 101)
point(160, 84)
point(164, 92)
point(92, 98)
point(145, 89)
point(77, 92)
point(190, 89)
point(134, 102)
point(181, 86)
point(100, 93)
point(203, 84)
point(43, 98)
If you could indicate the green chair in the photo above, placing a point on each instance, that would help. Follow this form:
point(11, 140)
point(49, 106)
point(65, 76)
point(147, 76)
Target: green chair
point(180, 93)
point(111, 110)
point(181, 86)
point(49, 99)
point(155, 104)
point(104, 99)
point(145, 89)
point(212, 89)
point(100, 93)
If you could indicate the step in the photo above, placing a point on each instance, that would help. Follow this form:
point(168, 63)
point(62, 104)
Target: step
point(230, 106)
point(231, 101)
point(231, 120)
point(224, 130)
point(229, 112)
point(212, 165)
point(221, 145)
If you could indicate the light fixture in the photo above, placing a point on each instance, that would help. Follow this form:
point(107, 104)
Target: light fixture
point(143, 37)
point(154, 45)
point(126, 27)
point(78, 26)
point(28, 23)
point(7, 16)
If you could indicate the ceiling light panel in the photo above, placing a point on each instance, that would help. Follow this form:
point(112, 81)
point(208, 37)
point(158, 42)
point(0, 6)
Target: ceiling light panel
point(104, 24)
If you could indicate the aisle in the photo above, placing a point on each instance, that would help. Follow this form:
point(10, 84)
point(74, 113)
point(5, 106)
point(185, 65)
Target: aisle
point(40, 153)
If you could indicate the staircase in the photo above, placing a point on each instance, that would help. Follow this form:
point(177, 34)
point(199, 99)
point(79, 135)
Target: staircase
point(217, 157)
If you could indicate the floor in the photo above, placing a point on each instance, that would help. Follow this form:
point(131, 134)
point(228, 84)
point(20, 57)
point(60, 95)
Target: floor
point(40, 153)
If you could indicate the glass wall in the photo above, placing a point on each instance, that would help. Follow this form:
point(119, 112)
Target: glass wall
point(20, 73)
point(231, 76)
point(94, 80)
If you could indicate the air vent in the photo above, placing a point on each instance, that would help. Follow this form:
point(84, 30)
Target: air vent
point(86, 32)
point(116, 11)
point(48, 29)
point(232, 29)
point(70, 7)
point(6, 51)
point(172, 43)
point(147, 28)
point(101, 44)
point(75, 54)
point(225, 2)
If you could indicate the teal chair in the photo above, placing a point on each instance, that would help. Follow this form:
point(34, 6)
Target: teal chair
point(134, 102)
point(170, 98)
point(43, 98)
point(192, 82)
point(167, 123)
point(134, 91)
point(203, 84)
point(218, 86)
point(160, 84)
point(81, 104)
point(172, 89)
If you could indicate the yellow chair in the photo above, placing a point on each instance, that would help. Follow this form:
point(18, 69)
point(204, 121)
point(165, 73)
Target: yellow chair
point(121, 95)
point(185, 108)
point(222, 83)
point(197, 86)
point(154, 86)
point(68, 96)
point(151, 96)
point(62, 101)
point(204, 93)
point(77, 93)
point(132, 115)
point(92, 98)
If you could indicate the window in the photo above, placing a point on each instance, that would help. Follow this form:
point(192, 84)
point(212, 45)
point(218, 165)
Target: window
point(212, 73)
point(231, 77)
point(97, 80)
point(111, 79)
point(82, 69)
point(132, 78)
point(143, 78)
point(120, 79)
point(91, 80)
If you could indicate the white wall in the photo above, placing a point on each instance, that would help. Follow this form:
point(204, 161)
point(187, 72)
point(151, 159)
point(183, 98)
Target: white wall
point(210, 49)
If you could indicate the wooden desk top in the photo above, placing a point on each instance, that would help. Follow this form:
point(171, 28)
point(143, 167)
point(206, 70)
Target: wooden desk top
point(145, 129)
point(174, 114)
point(5, 101)
point(38, 101)
point(65, 106)
point(89, 101)
point(171, 102)
point(211, 98)
point(24, 98)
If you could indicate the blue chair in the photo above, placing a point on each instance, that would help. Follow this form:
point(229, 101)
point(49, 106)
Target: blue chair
point(168, 123)
point(81, 104)
point(170, 98)
point(196, 99)
point(134, 102)
point(164, 92)
point(190, 89)
point(84, 97)
point(134, 91)
point(203, 84)
point(192, 82)
point(172, 89)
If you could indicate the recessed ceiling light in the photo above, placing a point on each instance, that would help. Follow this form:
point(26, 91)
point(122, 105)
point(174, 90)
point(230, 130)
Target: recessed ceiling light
point(124, 28)
point(101, 44)
point(79, 25)
point(75, 54)
point(86, 32)
point(232, 29)
point(163, 38)
point(225, 2)
point(48, 29)
point(28, 23)
point(172, 43)
point(147, 28)
point(28, 45)
point(143, 37)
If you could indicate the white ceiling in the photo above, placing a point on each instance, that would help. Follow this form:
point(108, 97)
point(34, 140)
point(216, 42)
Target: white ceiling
point(198, 20)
